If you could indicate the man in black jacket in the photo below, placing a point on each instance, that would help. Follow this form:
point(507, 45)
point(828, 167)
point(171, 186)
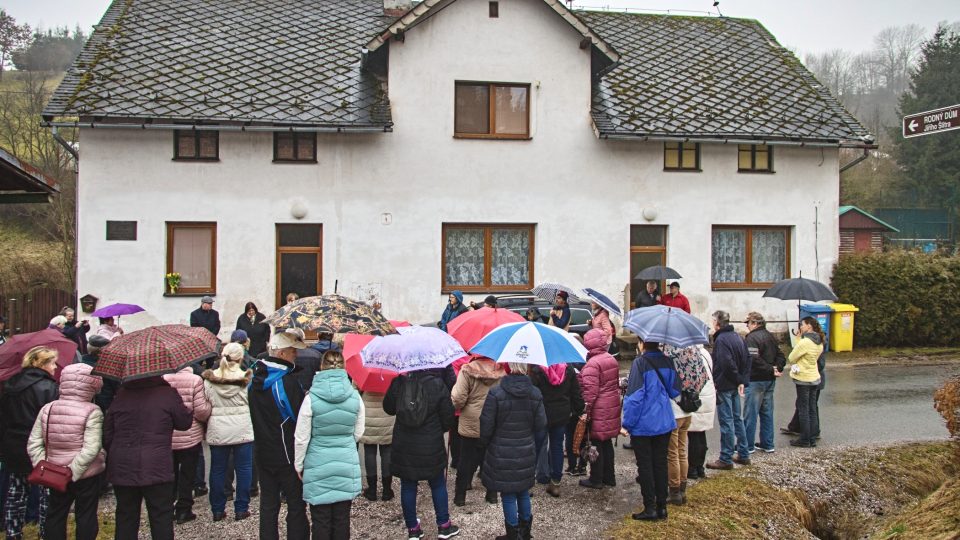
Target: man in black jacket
point(205, 316)
point(766, 365)
point(649, 296)
point(731, 374)
point(275, 397)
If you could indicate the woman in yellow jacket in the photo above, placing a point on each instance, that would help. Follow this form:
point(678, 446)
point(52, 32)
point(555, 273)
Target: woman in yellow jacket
point(802, 363)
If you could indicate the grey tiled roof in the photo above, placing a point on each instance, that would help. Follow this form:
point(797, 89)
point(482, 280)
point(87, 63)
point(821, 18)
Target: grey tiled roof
point(264, 61)
point(710, 77)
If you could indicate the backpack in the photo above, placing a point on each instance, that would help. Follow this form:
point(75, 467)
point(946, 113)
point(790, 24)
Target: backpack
point(412, 403)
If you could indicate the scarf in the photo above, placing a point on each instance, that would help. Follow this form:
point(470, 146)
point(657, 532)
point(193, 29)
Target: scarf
point(274, 381)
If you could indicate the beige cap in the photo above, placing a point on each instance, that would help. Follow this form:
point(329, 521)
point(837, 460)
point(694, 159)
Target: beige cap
point(291, 337)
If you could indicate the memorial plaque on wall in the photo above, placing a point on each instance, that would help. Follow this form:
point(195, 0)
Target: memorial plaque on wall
point(121, 230)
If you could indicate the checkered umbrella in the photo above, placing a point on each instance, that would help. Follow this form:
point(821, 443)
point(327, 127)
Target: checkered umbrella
point(548, 292)
point(154, 351)
point(331, 313)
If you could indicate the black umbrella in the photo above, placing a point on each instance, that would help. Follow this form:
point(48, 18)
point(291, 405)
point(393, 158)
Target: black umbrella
point(800, 289)
point(658, 273)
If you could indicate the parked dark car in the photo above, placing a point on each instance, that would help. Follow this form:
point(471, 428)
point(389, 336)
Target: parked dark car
point(580, 312)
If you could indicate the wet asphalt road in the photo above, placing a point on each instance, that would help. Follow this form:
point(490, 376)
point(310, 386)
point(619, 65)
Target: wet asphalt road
point(865, 405)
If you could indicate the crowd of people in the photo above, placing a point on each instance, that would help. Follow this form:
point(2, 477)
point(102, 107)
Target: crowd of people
point(282, 421)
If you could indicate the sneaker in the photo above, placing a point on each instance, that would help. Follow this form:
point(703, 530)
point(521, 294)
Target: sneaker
point(219, 516)
point(765, 449)
point(415, 532)
point(788, 431)
point(752, 450)
point(741, 461)
point(448, 531)
point(200, 491)
point(241, 516)
point(720, 465)
point(581, 471)
point(802, 444)
point(588, 484)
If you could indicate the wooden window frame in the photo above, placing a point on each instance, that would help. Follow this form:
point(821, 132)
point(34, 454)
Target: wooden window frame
point(661, 250)
point(753, 159)
point(487, 287)
point(177, 133)
point(193, 291)
point(491, 112)
point(679, 149)
point(281, 250)
point(748, 255)
point(298, 137)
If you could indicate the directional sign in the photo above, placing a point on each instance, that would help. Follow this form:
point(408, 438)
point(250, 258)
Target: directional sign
point(934, 121)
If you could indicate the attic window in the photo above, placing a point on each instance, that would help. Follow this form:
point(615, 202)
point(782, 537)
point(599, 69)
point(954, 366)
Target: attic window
point(492, 111)
point(754, 158)
point(494, 10)
point(294, 147)
point(196, 145)
point(681, 156)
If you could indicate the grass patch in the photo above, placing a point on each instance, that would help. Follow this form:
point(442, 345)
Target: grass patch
point(935, 517)
point(107, 529)
point(889, 355)
point(26, 260)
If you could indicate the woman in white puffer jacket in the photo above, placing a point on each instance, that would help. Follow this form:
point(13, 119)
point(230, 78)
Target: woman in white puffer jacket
point(69, 432)
point(701, 422)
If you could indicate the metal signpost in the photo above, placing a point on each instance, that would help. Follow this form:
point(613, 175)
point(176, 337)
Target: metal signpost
point(935, 121)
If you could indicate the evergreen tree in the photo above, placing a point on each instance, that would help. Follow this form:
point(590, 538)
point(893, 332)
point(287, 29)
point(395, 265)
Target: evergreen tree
point(931, 164)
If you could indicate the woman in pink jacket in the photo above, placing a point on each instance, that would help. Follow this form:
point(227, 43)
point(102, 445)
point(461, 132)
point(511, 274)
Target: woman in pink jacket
point(68, 432)
point(600, 383)
point(601, 321)
point(187, 447)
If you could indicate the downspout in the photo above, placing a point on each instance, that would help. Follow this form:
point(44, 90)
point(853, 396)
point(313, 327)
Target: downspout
point(852, 164)
point(76, 206)
point(66, 146)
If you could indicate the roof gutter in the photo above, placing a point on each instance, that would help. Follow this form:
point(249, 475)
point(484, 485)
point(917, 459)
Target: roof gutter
point(852, 164)
point(228, 127)
point(727, 140)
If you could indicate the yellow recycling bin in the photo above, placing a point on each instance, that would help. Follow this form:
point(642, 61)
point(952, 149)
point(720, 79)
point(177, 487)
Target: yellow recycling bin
point(841, 327)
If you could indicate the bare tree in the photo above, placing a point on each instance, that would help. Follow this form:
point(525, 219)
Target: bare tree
point(897, 50)
point(12, 37)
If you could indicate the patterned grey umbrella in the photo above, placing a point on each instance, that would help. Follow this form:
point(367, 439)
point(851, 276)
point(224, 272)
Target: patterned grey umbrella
point(548, 292)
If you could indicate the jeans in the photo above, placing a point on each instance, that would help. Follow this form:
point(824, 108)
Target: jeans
point(331, 521)
point(677, 465)
point(516, 507)
point(184, 471)
point(243, 463)
point(556, 434)
point(807, 413)
point(732, 435)
point(651, 454)
point(408, 500)
point(543, 462)
point(159, 499)
point(273, 481)
point(794, 424)
point(758, 401)
point(83, 495)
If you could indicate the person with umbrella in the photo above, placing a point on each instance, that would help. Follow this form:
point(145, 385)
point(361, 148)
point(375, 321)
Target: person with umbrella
point(803, 362)
point(731, 375)
point(649, 296)
point(421, 402)
point(275, 396)
point(675, 298)
point(564, 403)
point(138, 433)
point(24, 395)
point(454, 309)
point(251, 322)
point(69, 432)
point(187, 445)
point(560, 314)
point(329, 425)
point(109, 328)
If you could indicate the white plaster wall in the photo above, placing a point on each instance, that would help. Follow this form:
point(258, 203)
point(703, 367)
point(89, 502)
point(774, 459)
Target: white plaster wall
point(582, 193)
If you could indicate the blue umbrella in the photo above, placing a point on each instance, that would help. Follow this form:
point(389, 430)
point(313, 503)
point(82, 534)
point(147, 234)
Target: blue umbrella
point(603, 301)
point(531, 343)
point(669, 325)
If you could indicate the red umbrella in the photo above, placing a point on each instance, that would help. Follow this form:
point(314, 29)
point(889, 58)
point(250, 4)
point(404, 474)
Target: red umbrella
point(154, 351)
point(367, 379)
point(11, 354)
point(470, 327)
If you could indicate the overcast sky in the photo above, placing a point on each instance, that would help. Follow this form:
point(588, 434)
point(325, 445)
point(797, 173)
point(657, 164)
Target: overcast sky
point(802, 25)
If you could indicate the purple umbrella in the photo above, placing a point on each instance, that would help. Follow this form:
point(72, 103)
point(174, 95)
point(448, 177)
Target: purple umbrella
point(414, 348)
point(116, 310)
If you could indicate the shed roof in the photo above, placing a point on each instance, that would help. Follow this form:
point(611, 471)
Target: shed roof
point(883, 224)
point(22, 182)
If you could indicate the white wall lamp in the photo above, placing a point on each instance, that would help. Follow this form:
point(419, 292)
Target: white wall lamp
point(298, 209)
point(649, 213)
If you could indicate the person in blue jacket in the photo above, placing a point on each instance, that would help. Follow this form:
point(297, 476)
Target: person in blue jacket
point(731, 376)
point(454, 309)
point(648, 418)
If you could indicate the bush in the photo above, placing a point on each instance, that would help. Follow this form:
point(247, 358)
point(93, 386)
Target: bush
point(905, 297)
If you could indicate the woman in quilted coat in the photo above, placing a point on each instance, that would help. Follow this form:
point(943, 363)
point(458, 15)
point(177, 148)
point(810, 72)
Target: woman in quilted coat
point(69, 432)
point(600, 384)
point(377, 438)
point(229, 430)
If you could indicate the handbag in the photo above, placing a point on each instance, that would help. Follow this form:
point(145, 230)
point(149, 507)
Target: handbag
point(689, 400)
point(579, 434)
point(49, 474)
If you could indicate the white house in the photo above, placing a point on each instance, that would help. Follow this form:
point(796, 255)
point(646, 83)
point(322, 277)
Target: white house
point(259, 148)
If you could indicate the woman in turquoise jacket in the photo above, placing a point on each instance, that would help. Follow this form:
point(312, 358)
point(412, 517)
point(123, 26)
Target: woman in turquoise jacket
point(329, 425)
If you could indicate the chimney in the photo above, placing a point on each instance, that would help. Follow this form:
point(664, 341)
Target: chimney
point(396, 8)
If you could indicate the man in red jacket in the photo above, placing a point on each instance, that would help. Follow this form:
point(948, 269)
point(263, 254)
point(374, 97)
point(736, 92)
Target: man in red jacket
point(675, 299)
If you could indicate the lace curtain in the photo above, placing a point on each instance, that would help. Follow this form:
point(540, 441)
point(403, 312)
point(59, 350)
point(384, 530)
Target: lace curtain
point(729, 260)
point(464, 257)
point(510, 258)
point(769, 254)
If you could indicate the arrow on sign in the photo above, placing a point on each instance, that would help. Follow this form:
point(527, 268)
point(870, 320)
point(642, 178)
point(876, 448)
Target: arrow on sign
point(913, 125)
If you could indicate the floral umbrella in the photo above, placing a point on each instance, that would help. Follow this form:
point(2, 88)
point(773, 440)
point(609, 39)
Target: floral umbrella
point(331, 313)
point(153, 351)
point(415, 348)
point(367, 379)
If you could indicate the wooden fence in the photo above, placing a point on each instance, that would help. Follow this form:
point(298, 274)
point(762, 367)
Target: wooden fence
point(31, 311)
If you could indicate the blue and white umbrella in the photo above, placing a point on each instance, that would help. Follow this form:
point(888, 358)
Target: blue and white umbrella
point(665, 324)
point(531, 343)
point(603, 301)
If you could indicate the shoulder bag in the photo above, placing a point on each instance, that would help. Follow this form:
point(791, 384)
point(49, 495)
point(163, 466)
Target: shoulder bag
point(49, 474)
point(689, 400)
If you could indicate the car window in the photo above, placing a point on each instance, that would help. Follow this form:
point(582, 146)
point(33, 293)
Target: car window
point(580, 316)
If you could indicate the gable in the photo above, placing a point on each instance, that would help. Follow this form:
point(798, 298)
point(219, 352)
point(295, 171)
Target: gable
point(852, 217)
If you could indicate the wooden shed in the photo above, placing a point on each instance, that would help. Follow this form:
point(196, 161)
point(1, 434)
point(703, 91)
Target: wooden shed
point(861, 232)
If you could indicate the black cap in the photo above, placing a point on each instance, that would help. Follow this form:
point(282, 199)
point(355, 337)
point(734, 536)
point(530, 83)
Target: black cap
point(675, 284)
point(490, 300)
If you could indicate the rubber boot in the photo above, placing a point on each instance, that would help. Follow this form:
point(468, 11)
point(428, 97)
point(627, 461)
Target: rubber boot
point(553, 489)
point(512, 533)
point(526, 529)
point(674, 496)
point(371, 492)
point(491, 497)
point(649, 513)
point(387, 489)
point(683, 493)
